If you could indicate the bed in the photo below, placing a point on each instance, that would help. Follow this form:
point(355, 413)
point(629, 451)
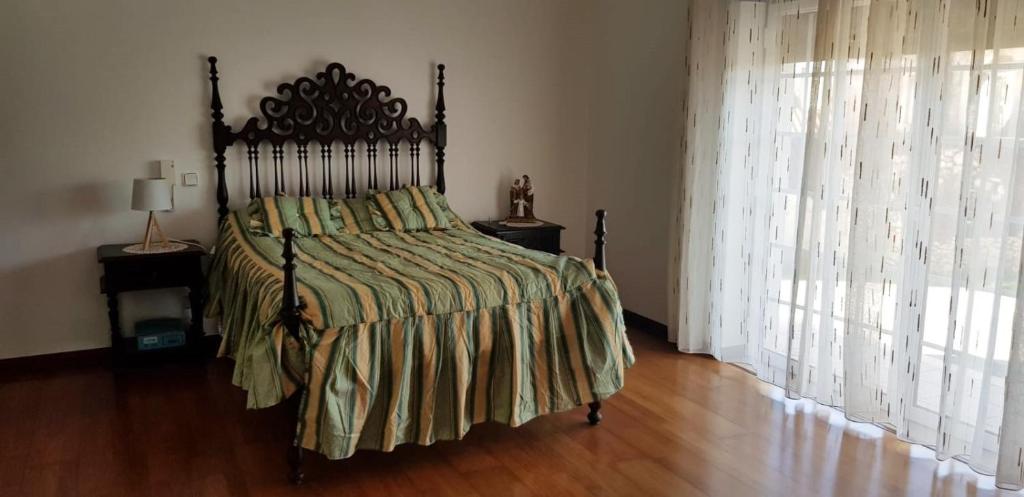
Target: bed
point(383, 335)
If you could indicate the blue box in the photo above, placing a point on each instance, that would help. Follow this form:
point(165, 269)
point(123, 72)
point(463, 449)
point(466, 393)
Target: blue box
point(160, 333)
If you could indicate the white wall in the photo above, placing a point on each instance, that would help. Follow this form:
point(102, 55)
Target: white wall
point(94, 91)
point(638, 79)
point(578, 94)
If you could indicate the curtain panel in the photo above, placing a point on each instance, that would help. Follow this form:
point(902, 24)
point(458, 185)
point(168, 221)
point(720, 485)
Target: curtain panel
point(850, 208)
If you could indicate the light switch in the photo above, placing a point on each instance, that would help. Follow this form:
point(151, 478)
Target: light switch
point(190, 179)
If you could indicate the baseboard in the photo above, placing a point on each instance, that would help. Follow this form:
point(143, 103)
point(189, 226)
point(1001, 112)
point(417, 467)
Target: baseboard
point(76, 359)
point(644, 323)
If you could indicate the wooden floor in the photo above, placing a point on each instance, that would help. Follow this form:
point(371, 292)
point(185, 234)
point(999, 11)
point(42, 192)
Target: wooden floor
point(684, 425)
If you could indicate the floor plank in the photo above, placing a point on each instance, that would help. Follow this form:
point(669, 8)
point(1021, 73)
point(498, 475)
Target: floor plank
point(683, 426)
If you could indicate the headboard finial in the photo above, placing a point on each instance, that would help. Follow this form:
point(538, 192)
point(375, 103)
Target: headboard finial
point(439, 106)
point(441, 130)
point(220, 141)
point(215, 103)
point(599, 241)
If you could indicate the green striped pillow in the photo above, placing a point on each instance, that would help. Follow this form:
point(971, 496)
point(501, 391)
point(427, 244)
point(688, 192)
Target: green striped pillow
point(352, 215)
point(452, 217)
point(412, 208)
point(308, 216)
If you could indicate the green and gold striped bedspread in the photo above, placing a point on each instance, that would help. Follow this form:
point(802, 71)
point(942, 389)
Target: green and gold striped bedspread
point(415, 336)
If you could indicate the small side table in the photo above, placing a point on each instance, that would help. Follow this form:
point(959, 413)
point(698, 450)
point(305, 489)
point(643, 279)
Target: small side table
point(547, 237)
point(124, 272)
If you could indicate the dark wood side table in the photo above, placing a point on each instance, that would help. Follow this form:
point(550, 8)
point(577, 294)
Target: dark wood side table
point(124, 272)
point(547, 237)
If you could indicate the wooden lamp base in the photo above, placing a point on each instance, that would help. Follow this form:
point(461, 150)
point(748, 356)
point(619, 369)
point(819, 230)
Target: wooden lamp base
point(152, 226)
point(149, 244)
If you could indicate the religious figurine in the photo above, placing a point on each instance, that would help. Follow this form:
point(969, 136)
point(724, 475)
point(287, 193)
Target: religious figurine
point(515, 195)
point(520, 200)
point(527, 195)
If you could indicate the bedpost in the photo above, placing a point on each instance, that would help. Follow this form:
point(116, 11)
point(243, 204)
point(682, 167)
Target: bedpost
point(594, 416)
point(290, 309)
point(291, 319)
point(599, 232)
point(220, 144)
point(441, 130)
point(295, 451)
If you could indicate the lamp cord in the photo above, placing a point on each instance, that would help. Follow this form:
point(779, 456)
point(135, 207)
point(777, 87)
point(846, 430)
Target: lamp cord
point(194, 244)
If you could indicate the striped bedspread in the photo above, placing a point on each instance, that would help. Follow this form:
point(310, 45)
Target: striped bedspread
point(414, 337)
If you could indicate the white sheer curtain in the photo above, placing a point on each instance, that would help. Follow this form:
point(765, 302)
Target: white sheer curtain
point(850, 211)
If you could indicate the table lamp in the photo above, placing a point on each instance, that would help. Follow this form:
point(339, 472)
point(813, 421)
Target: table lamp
point(151, 194)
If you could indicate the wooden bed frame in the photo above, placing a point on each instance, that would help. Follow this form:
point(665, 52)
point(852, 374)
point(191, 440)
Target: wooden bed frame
point(330, 108)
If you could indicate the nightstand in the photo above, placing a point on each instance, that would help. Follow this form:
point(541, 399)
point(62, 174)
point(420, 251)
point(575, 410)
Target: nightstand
point(124, 272)
point(547, 237)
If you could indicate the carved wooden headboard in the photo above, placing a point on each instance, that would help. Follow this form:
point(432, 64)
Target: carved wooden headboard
point(334, 107)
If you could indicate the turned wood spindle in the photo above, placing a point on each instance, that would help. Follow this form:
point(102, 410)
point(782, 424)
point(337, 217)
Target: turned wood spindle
point(277, 153)
point(371, 165)
point(350, 171)
point(302, 155)
point(327, 186)
point(254, 170)
point(414, 162)
point(393, 182)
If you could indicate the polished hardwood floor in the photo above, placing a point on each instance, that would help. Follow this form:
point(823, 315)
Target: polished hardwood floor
point(683, 426)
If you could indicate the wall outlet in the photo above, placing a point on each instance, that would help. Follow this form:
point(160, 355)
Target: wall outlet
point(167, 173)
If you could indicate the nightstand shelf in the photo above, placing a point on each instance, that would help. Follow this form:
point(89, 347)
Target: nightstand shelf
point(124, 272)
point(547, 237)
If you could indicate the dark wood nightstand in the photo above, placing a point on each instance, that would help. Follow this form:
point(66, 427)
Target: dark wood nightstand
point(546, 237)
point(124, 272)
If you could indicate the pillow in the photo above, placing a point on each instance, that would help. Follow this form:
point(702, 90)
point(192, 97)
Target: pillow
point(352, 215)
point(412, 208)
point(308, 216)
point(453, 218)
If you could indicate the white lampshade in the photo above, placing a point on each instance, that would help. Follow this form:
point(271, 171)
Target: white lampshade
point(151, 194)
